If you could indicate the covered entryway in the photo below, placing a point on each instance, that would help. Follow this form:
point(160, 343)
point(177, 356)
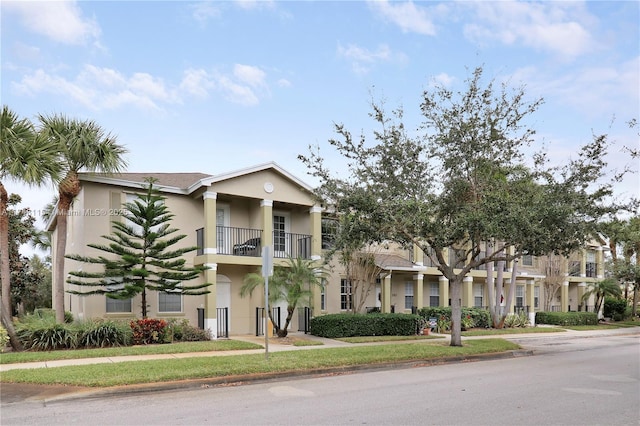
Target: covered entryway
point(223, 304)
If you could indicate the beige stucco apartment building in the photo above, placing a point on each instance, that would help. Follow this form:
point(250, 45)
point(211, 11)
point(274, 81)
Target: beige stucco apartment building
point(231, 216)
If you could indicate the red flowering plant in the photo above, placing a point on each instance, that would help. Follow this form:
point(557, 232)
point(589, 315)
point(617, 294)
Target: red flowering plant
point(147, 331)
point(466, 322)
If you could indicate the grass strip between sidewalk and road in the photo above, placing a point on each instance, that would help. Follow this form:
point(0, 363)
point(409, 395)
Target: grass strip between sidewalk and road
point(138, 372)
point(172, 348)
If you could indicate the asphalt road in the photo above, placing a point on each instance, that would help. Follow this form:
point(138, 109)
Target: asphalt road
point(571, 381)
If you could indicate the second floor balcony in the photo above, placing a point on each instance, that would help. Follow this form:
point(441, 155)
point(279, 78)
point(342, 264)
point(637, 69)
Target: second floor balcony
point(590, 269)
point(248, 242)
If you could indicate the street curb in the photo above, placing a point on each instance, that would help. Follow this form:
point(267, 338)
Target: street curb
point(240, 380)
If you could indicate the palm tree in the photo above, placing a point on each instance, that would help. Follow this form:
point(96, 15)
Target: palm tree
point(25, 157)
point(81, 145)
point(289, 283)
point(602, 289)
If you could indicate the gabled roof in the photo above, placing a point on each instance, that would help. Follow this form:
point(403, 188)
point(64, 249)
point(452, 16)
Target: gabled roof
point(185, 183)
point(393, 262)
point(179, 182)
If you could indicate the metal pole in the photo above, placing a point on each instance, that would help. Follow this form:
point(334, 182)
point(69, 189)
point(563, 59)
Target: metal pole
point(266, 309)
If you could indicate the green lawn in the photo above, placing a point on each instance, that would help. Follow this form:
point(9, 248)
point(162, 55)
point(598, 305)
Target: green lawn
point(135, 372)
point(173, 348)
point(371, 339)
point(604, 326)
point(500, 331)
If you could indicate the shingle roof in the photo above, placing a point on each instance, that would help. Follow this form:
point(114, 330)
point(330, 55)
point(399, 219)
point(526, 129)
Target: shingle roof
point(175, 180)
point(393, 261)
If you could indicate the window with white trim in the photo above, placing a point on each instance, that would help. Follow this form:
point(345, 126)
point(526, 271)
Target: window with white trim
point(169, 301)
point(536, 297)
point(408, 295)
point(115, 306)
point(434, 294)
point(346, 297)
point(519, 295)
point(478, 299)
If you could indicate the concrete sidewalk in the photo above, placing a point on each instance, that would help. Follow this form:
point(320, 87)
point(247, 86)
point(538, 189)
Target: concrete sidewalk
point(274, 346)
point(16, 392)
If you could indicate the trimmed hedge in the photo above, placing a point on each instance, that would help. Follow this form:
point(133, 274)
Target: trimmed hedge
point(567, 318)
point(350, 325)
point(481, 317)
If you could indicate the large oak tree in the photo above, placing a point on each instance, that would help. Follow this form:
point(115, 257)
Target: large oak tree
point(466, 180)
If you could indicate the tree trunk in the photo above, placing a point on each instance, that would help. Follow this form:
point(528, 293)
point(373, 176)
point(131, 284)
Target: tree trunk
point(5, 273)
point(61, 244)
point(8, 325)
point(69, 188)
point(456, 311)
point(512, 290)
point(279, 331)
point(497, 323)
point(634, 308)
point(491, 289)
point(284, 331)
point(144, 303)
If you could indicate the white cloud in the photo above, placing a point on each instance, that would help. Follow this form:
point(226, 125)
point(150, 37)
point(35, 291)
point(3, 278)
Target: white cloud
point(409, 17)
point(283, 82)
point(443, 79)
point(197, 83)
point(100, 88)
point(362, 59)
point(253, 76)
point(61, 21)
point(105, 88)
point(597, 91)
point(237, 93)
point(560, 27)
point(149, 87)
point(255, 4)
point(204, 11)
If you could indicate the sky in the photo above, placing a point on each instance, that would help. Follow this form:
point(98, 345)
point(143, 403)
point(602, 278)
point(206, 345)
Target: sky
point(218, 86)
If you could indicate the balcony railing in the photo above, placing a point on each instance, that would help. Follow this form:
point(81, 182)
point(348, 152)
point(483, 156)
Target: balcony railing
point(574, 268)
point(248, 242)
point(287, 244)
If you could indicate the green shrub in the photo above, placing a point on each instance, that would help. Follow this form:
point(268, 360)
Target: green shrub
point(471, 317)
point(4, 338)
point(146, 331)
point(443, 324)
point(182, 331)
point(44, 334)
point(520, 319)
point(614, 308)
point(51, 313)
point(351, 325)
point(567, 318)
point(103, 333)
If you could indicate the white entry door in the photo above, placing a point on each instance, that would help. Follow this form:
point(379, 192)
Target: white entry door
point(223, 295)
point(281, 244)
